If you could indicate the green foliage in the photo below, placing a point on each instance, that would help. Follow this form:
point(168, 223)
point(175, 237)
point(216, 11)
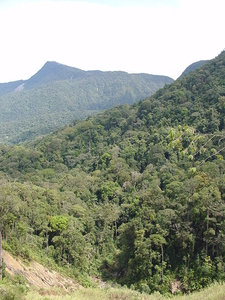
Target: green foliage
point(13, 288)
point(135, 193)
point(58, 223)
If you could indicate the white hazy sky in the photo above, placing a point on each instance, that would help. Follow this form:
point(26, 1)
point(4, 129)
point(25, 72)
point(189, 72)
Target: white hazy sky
point(137, 36)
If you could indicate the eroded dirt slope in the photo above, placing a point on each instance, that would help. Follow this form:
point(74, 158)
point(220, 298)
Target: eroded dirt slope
point(38, 275)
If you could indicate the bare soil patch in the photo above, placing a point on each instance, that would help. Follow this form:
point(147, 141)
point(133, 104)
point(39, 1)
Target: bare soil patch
point(38, 275)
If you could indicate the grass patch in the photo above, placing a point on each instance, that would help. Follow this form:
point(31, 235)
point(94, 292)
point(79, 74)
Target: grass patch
point(93, 294)
point(214, 292)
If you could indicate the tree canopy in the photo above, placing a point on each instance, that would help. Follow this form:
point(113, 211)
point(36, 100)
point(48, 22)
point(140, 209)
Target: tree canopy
point(135, 194)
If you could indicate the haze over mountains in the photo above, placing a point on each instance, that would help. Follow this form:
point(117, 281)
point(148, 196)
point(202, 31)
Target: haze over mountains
point(58, 94)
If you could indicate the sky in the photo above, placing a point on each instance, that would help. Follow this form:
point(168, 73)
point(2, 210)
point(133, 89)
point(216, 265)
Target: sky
point(136, 36)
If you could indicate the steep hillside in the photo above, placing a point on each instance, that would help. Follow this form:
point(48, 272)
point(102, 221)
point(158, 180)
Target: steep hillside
point(9, 87)
point(135, 194)
point(37, 275)
point(58, 94)
point(50, 72)
point(53, 71)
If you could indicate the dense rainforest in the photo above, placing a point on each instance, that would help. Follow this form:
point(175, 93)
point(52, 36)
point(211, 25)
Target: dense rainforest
point(135, 194)
point(58, 94)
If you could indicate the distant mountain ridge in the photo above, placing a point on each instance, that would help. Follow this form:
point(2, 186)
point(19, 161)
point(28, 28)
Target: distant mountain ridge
point(50, 72)
point(53, 71)
point(193, 67)
point(57, 94)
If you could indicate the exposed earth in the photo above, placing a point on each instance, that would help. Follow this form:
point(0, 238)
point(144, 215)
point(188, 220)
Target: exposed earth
point(38, 275)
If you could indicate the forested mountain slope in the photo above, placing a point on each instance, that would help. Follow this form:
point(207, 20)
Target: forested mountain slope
point(135, 194)
point(58, 94)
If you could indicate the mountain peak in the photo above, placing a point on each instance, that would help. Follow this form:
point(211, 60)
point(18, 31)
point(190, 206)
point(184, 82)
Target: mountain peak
point(53, 71)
